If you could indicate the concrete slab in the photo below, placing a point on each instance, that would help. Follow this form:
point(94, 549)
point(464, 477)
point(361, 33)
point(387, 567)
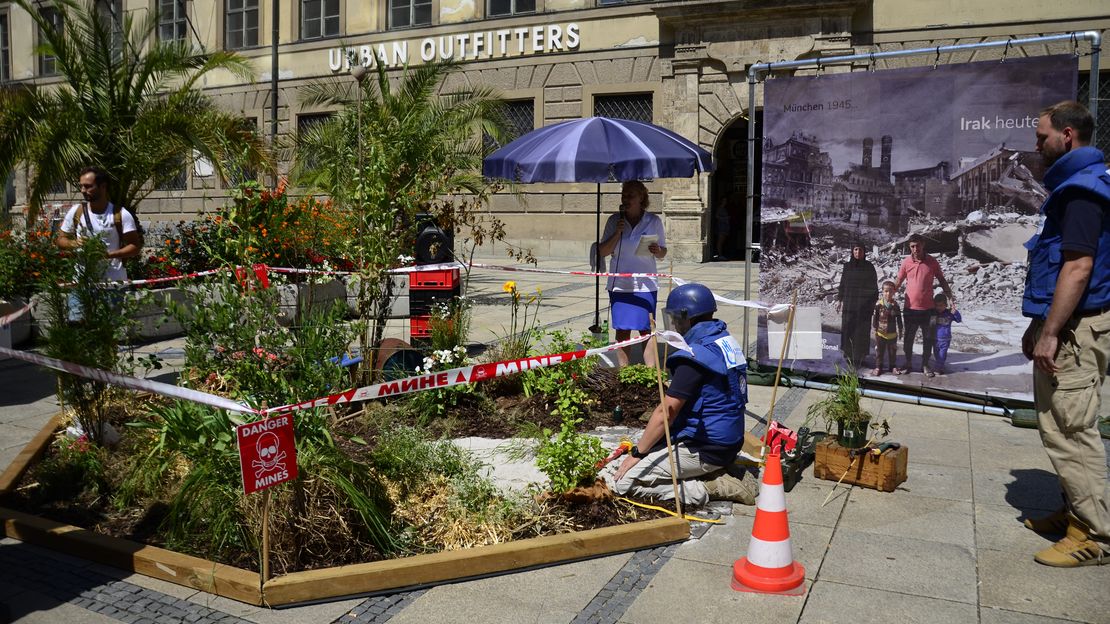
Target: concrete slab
point(834, 603)
point(988, 615)
point(326, 612)
point(934, 481)
point(900, 564)
point(1000, 527)
point(925, 422)
point(1017, 583)
point(553, 594)
point(810, 543)
point(936, 451)
point(1025, 489)
point(668, 597)
point(899, 515)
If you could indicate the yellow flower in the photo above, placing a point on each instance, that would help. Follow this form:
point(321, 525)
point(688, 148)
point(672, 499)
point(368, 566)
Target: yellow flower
point(509, 287)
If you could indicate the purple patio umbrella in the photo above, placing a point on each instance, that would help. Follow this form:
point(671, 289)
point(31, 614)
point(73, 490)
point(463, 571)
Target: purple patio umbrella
point(597, 149)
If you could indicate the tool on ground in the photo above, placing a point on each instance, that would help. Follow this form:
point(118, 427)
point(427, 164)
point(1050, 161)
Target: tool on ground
point(624, 447)
point(798, 458)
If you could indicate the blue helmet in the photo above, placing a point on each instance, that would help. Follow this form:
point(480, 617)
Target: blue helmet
point(690, 301)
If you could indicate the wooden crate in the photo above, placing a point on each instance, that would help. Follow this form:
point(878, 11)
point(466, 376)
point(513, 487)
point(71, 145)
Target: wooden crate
point(881, 472)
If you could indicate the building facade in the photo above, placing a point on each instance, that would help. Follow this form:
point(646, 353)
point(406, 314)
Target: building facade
point(681, 65)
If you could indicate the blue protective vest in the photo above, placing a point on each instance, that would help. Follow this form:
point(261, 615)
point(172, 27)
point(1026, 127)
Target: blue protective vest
point(716, 416)
point(1082, 168)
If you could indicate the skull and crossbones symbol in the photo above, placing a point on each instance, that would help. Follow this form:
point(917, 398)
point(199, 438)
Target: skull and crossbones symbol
point(269, 450)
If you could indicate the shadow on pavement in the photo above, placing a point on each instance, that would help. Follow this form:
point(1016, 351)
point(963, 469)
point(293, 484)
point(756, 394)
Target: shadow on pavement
point(1033, 491)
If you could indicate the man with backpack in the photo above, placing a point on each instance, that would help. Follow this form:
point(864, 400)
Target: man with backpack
point(97, 216)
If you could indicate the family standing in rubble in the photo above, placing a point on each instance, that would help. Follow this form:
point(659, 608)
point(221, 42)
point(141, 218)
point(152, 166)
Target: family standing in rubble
point(861, 315)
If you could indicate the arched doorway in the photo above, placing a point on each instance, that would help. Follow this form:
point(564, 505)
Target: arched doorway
point(729, 191)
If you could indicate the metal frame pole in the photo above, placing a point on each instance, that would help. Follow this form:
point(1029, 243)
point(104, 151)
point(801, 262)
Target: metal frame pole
point(757, 69)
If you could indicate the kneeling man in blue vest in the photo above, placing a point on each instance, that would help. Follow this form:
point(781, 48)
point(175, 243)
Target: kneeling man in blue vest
point(704, 406)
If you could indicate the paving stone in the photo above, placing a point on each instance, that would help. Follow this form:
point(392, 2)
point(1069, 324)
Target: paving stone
point(916, 517)
point(990, 615)
point(835, 603)
point(903, 565)
point(1030, 490)
point(1014, 582)
point(669, 597)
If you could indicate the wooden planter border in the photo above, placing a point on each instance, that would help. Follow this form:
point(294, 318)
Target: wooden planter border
point(363, 578)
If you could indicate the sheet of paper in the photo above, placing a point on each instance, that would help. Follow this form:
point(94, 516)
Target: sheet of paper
point(645, 241)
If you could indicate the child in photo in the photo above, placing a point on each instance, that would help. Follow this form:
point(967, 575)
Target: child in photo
point(942, 328)
point(886, 320)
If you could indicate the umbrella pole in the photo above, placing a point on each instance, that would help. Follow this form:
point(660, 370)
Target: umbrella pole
point(597, 265)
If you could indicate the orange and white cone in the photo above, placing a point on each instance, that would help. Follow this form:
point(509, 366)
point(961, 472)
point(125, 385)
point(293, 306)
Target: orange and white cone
point(769, 567)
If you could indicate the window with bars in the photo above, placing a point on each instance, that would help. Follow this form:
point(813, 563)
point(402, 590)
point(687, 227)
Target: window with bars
point(510, 7)
point(319, 18)
point(519, 118)
point(172, 20)
point(179, 182)
point(634, 106)
point(237, 173)
point(241, 24)
point(1102, 129)
point(110, 13)
point(308, 120)
point(405, 13)
point(5, 53)
point(48, 64)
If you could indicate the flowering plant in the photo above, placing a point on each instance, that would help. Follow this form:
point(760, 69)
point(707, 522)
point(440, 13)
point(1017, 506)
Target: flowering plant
point(26, 257)
point(518, 341)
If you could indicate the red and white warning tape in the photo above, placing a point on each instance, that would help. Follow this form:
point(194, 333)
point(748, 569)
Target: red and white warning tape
point(133, 383)
point(416, 383)
point(8, 318)
point(467, 374)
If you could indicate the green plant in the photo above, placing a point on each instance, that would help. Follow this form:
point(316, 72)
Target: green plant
point(127, 102)
point(639, 375)
point(450, 324)
point(73, 466)
point(87, 320)
point(518, 340)
point(396, 148)
point(562, 384)
point(843, 407)
point(568, 458)
point(431, 404)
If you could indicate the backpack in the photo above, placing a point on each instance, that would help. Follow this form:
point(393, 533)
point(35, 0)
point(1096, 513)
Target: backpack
point(117, 220)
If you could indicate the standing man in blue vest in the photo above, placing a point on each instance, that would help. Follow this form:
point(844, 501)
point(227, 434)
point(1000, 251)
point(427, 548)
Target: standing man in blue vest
point(1067, 296)
point(704, 407)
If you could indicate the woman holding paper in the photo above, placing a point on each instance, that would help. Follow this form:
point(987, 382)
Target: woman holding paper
point(634, 237)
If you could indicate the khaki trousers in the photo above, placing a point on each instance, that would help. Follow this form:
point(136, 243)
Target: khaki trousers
point(1067, 416)
point(650, 478)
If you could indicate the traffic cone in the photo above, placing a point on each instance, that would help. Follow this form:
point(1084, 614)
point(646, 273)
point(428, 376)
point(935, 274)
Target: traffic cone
point(769, 567)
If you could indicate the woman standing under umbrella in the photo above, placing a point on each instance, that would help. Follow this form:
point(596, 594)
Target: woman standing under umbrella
point(633, 299)
point(855, 300)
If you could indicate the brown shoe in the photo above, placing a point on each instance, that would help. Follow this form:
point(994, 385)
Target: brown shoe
point(1076, 549)
point(1053, 524)
point(729, 488)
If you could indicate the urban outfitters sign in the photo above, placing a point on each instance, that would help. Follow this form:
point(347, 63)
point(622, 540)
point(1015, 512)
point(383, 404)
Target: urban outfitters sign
point(467, 46)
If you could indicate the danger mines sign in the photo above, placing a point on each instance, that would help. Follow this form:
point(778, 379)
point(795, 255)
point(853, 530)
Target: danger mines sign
point(267, 452)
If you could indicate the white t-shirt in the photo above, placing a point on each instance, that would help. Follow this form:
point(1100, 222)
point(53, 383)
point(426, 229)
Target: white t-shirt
point(104, 226)
point(625, 259)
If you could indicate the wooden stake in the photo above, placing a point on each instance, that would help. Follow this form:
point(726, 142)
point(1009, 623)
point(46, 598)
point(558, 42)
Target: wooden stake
point(265, 536)
point(778, 374)
point(654, 342)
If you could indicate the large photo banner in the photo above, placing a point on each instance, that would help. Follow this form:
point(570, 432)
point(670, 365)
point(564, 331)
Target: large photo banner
point(907, 167)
